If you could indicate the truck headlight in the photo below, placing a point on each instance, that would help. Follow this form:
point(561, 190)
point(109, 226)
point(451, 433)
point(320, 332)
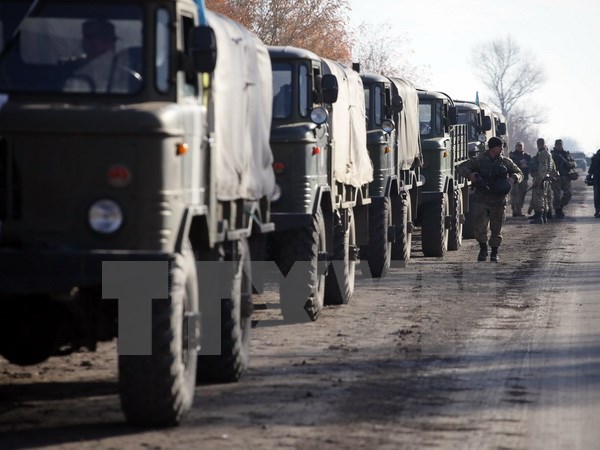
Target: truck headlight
point(105, 216)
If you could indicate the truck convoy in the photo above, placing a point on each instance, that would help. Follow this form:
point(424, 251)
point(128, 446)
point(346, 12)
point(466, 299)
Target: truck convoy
point(115, 179)
point(322, 170)
point(152, 153)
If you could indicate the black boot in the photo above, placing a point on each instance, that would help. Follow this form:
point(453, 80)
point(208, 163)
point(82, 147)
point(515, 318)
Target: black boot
point(549, 214)
point(597, 213)
point(537, 218)
point(558, 212)
point(494, 255)
point(482, 252)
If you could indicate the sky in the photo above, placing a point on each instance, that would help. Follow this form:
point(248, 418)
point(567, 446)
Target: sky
point(563, 36)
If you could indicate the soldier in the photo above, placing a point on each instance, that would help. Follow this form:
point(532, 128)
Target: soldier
point(593, 179)
point(542, 170)
point(517, 194)
point(492, 175)
point(561, 186)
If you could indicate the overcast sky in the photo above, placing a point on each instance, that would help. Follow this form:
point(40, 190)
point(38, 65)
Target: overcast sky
point(564, 36)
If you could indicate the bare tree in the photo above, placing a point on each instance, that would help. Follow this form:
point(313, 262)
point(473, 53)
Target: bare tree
point(524, 125)
point(317, 25)
point(511, 74)
point(380, 50)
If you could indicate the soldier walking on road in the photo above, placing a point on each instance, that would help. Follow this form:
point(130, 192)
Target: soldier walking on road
point(561, 186)
point(542, 169)
point(593, 179)
point(517, 194)
point(492, 175)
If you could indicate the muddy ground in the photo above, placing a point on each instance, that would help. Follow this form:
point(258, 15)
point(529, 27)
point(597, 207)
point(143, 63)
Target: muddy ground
point(444, 353)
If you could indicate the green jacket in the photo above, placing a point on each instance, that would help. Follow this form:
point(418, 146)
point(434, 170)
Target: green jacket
point(489, 170)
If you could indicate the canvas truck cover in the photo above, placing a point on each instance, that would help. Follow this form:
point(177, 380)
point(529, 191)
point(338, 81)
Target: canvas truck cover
point(407, 128)
point(241, 113)
point(352, 164)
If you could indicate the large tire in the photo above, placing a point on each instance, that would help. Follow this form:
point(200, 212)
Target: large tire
point(158, 390)
point(236, 311)
point(380, 248)
point(401, 249)
point(339, 282)
point(302, 295)
point(468, 231)
point(434, 234)
point(456, 221)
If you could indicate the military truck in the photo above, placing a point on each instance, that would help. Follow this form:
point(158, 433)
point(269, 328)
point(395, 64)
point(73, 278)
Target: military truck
point(393, 141)
point(445, 194)
point(478, 124)
point(322, 171)
point(120, 184)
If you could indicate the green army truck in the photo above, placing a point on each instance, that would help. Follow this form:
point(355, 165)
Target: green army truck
point(445, 194)
point(322, 171)
point(393, 141)
point(141, 169)
point(478, 124)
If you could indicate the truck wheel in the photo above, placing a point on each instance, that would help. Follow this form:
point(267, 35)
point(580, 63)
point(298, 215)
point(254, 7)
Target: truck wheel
point(468, 231)
point(157, 390)
point(379, 248)
point(301, 297)
point(434, 234)
point(456, 221)
point(402, 247)
point(339, 282)
point(236, 313)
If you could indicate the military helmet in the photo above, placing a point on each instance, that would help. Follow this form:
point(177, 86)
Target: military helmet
point(501, 186)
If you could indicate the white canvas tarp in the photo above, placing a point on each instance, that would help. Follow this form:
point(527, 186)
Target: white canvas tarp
point(408, 135)
point(351, 162)
point(241, 113)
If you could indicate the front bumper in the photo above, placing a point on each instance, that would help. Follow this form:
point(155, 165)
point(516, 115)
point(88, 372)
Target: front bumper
point(44, 271)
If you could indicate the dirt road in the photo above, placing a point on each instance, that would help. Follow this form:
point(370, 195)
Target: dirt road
point(445, 353)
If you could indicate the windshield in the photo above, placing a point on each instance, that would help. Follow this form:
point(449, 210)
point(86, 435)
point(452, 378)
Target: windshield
point(71, 47)
point(430, 118)
point(469, 118)
point(282, 90)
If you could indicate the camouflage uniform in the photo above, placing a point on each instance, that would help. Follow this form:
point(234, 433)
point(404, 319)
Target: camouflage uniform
point(561, 186)
point(518, 191)
point(541, 190)
point(488, 207)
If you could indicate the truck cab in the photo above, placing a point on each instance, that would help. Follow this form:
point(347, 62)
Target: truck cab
point(445, 193)
point(116, 156)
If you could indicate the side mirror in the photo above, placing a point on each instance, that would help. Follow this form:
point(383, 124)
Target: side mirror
point(397, 104)
point(486, 123)
point(453, 115)
point(203, 49)
point(502, 128)
point(329, 87)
